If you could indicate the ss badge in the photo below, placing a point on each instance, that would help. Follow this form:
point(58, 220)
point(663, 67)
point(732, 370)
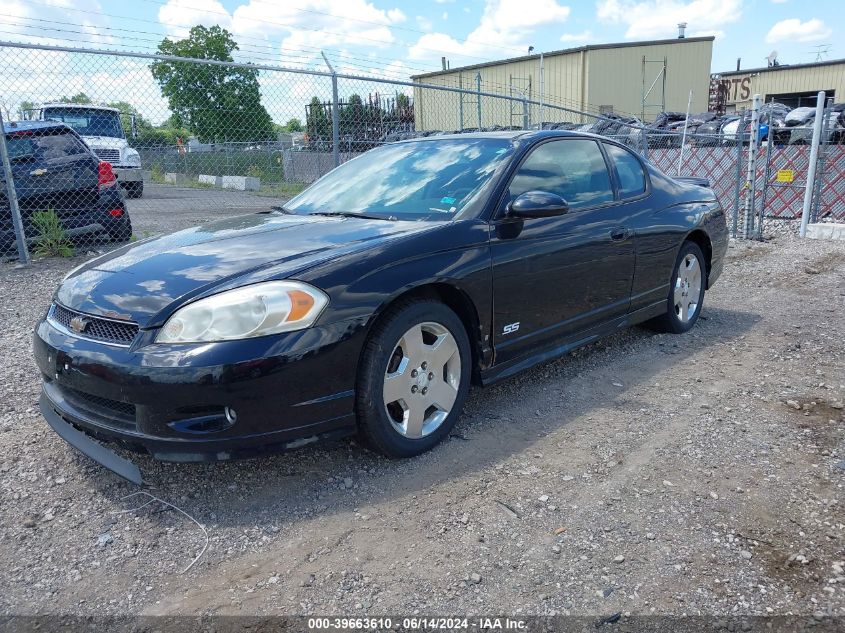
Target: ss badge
point(510, 328)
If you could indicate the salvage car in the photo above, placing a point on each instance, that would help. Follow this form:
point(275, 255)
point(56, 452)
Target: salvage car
point(372, 300)
point(53, 170)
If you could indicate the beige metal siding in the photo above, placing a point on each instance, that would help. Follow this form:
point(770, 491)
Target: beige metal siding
point(581, 79)
point(743, 86)
point(616, 77)
point(440, 110)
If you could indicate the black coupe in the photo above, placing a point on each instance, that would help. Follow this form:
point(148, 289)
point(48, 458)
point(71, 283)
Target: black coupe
point(372, 300)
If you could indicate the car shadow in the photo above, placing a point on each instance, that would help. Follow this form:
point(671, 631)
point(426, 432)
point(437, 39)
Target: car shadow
point(498, 422)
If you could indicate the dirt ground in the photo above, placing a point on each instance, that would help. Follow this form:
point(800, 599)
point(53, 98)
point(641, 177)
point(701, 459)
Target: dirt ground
point(693, 474)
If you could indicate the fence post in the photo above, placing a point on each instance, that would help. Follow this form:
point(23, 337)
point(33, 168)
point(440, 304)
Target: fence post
point(478, 85)
point(524, 112)
point(817, 192)
point(335, 114)
point(751, 172)
point(767, 173)
point(811, 170)
point(735, 224)
point(12, 195)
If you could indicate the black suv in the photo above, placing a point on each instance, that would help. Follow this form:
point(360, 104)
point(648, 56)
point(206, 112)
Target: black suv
point(53, 169)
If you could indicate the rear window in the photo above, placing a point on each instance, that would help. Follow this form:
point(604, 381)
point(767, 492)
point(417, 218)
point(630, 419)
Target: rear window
point(43, 147)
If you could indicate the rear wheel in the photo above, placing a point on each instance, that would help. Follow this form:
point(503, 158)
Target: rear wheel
point(413, 379)
point(686, 292)
point(122, 232)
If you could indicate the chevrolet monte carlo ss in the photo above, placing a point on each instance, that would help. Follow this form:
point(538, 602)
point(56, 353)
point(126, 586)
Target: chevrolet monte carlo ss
point(371, 301)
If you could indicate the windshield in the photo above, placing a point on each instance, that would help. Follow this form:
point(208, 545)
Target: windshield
point(422, 180)
point(88, 122)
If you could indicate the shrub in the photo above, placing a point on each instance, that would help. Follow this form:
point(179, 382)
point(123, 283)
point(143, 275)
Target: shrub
point(51, 240)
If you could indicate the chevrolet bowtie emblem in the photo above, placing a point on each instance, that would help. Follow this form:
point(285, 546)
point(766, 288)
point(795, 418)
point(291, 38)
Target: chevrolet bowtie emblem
point(38, 172)
point(78, 324)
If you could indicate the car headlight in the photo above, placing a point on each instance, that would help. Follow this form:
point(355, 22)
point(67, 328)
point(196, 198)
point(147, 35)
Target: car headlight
point(256, 310)
point(132, 158)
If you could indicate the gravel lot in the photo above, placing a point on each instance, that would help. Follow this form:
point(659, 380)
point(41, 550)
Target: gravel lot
point(695, 474)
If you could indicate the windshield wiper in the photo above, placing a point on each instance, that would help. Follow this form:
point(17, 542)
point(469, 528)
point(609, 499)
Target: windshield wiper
point(353, 214)
point(282, 209)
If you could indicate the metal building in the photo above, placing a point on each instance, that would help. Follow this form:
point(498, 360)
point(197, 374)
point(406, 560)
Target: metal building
point(793, 85)
point(633, 78)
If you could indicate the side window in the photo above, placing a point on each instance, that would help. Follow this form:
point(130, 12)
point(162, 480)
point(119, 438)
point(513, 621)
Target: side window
point(573, 169)
point(629, 170)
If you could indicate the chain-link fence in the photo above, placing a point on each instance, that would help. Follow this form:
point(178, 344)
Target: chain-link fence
point(105, 147)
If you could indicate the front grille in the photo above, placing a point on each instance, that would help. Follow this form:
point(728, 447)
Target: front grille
point(110, 155)
point(109, 413)
point(94, 328)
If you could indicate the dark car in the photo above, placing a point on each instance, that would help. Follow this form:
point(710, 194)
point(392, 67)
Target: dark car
point(373, 299)
point(801, 130)
point(54, 170)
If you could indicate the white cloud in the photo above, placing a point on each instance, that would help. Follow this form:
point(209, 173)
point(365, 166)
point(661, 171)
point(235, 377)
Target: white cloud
point(584, 36)
point(424, 23)
point(795, 30)
point(178, 16)
point(504, 24)
point(445, 15)
point(660, 18)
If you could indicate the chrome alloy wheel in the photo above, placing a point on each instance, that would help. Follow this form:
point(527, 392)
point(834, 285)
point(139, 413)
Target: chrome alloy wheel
point(687, 288)
point(422, 379)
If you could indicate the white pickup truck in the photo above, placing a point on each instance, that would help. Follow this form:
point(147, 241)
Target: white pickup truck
point(101, 129)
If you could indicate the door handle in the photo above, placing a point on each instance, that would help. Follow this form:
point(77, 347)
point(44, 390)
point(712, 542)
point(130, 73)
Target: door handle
point(619, 234)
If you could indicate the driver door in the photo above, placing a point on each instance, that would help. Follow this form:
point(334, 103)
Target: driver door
point(557, 276)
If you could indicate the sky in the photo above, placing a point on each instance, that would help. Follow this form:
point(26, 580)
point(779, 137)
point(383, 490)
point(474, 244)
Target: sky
point(396, 39)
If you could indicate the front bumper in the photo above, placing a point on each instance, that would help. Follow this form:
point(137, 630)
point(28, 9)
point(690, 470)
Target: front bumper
point(171, 401)
point(128, 174)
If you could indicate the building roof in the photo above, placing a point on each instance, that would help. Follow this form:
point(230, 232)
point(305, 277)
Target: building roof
point(745, 71)
point(568, 51)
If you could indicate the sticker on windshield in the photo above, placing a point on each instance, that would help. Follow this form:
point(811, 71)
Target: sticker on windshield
point(447, 200)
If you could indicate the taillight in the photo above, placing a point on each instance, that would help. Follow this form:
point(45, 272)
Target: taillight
point(105, 175)
point(116, 213)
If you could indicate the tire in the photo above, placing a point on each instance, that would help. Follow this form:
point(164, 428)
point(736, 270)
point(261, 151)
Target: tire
point(122, 233)
point(134, 189)
point(410, 347)
point(686, 292)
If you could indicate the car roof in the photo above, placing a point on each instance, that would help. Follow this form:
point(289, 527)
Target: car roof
point(513, 135)
point(10, 127)
point(79, 106)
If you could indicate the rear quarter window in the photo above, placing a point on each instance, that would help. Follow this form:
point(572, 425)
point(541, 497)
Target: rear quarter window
point(629, 171)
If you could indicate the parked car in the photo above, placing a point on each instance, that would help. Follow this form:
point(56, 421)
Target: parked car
point(770, 115)
point(709, 133)
point(658, 132)
point(53, 169)
point(102, 130)
point(371, 301)
point(834, 122)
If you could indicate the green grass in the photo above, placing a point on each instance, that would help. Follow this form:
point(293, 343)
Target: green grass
point(51, 240)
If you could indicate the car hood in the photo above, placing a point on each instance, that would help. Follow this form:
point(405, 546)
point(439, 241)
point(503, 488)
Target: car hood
point(141, 281)
point(105, 142)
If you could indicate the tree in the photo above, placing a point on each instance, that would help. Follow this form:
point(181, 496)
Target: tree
point(317, 121)
point(80, 98)
point(217, 103)
point(126, 112)
point(294, 125)
point(25, 108)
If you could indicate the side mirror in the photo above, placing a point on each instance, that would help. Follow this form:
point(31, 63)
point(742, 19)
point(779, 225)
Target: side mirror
point(133, 125)
point(537, 204)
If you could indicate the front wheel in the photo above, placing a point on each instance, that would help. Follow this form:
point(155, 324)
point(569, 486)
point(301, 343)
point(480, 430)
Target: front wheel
point(686, 292)
point(413, 379)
